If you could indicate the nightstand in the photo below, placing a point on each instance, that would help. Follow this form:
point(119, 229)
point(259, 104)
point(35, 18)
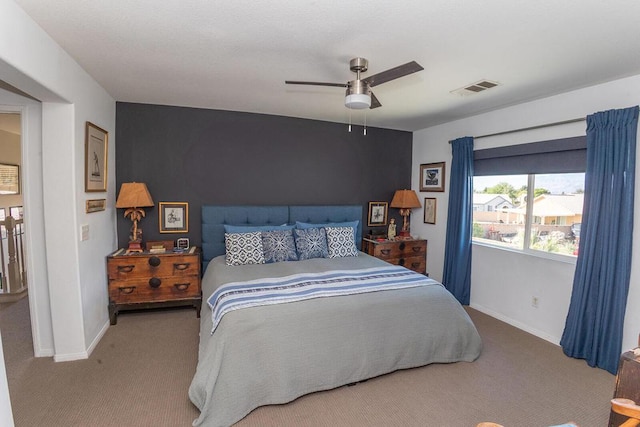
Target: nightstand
point(411, 254)
point(147, 280)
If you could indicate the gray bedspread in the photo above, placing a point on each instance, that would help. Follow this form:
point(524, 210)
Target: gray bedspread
point(277, 353)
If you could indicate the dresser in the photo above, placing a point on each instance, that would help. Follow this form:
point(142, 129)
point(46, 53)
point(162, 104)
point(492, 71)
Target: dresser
point(627, 383)
point(145, 280)
point(411, 254)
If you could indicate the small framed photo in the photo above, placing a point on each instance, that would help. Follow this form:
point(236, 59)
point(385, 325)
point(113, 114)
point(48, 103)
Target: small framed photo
point(377, 214)
point(174, 217)
point(95, 205)
point(9, 179)
point(17, 212)
point(430, 210)
point(432, 177)
point(183, 243)
point(95, 158)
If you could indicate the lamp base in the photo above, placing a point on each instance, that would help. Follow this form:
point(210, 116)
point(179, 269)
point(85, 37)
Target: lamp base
point(135, 247)
point(405, 234)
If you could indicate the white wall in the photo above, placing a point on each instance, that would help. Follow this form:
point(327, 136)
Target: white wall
point(75, 271)
point(6, 415)
point(521, 276)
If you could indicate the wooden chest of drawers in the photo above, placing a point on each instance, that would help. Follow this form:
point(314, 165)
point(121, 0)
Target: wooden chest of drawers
point(147, 280)
point(411, 254)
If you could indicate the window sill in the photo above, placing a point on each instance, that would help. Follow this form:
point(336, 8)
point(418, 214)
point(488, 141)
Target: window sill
point(567, 259)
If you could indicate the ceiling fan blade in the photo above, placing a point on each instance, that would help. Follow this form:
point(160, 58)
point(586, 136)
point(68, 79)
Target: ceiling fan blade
point(394, 73)
point(293, 82)
point(374, 101)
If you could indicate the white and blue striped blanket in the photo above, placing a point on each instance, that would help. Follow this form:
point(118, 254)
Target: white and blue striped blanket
point(299, 287)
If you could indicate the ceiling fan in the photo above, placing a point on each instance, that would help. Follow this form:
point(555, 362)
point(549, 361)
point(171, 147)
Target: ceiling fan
point(359, 94)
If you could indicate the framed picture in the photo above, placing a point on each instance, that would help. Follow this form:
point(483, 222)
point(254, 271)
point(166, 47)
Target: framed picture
point(432, 177)
point(95, 158)
point(95, 205)
point(430, 210)
point(17, 212)
point(9, 179)
point(174, 217)
point(377, 214)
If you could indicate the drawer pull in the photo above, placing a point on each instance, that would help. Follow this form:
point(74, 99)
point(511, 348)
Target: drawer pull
point(154, 261)
point(126, 268)
point(402, 246)
point(127, 289)
point(417, 249)
point(401, 261)
point(154, 282)
point(181, 266)
point(385, 251)
point(415, 264)
point(182, 286)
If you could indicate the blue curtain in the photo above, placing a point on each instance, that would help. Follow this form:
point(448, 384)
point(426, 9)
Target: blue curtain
point(593, 329)
point(457, 254)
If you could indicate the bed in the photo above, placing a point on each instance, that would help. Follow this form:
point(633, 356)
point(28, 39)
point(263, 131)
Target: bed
point(275, 353)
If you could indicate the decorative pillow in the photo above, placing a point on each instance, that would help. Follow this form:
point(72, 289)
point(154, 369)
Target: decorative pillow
point(228, 228)
point(244, 248)
point(311, 243)
point(341, 242)
point(352, 224)
point(279, 246)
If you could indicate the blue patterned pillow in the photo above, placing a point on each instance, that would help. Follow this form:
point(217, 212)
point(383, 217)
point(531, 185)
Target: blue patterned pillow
point(244, 248)
point(341, 242)
point(311, 243)
point(279, 246)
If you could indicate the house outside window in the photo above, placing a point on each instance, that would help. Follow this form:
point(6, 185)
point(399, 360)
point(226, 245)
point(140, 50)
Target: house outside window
point(548, 226)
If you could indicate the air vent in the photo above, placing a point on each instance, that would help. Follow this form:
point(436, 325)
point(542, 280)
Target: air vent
point(474, 88)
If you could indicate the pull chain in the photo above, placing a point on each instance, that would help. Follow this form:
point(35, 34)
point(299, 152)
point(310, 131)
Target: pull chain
point(364, 132)
point(349, 119)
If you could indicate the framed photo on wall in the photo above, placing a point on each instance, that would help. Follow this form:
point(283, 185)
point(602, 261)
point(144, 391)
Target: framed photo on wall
point(95, 158)
point(432, 177)
point(9, 179)
point(377, 214)
point(95, 205)
point(430, 210)
point(174, 217)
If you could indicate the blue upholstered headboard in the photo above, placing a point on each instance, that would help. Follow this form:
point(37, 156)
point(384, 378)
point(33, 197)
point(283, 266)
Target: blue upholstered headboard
point(215, 217)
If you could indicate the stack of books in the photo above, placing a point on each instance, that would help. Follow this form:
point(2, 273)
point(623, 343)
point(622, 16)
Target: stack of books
point(157, 249)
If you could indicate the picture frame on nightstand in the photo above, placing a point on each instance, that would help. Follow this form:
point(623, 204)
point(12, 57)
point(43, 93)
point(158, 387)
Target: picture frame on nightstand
point(377, 215)
point(174, 217)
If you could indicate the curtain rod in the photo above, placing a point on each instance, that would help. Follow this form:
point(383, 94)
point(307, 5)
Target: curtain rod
point(506, 132)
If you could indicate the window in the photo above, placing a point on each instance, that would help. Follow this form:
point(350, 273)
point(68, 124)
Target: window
point(503, 217)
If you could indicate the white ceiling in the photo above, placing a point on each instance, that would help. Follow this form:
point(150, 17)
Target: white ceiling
point(236, 54)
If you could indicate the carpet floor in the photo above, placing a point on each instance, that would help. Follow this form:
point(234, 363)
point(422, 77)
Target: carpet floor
point(140, 372)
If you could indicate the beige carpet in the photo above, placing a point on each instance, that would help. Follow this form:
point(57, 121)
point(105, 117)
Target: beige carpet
point(140, 372)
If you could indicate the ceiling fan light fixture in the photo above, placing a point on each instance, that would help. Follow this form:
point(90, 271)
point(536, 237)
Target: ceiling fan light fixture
point(357, 101)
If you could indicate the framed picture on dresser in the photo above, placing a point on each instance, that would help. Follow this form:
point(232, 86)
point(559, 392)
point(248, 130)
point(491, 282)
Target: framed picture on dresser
point(377, 215)
point(174, 217)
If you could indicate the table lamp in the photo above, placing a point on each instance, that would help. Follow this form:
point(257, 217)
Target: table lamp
point(133, 197)
point(405, 200)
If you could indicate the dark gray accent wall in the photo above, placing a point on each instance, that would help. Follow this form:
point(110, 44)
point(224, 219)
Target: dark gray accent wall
point(229, 158)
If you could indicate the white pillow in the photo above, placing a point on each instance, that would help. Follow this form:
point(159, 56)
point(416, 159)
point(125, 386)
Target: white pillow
point(341, 242)
point(244, 248)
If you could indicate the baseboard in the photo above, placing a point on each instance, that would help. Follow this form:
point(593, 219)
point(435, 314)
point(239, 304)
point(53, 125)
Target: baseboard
point(515, 323)
point(98, 337)
point(83, 354)
point(69, 357)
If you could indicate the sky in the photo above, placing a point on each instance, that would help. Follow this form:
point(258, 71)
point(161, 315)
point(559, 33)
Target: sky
point(566, 183)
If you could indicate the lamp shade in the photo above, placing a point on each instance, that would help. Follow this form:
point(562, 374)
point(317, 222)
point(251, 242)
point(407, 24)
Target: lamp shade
point(405, 199)
point(134, 195)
